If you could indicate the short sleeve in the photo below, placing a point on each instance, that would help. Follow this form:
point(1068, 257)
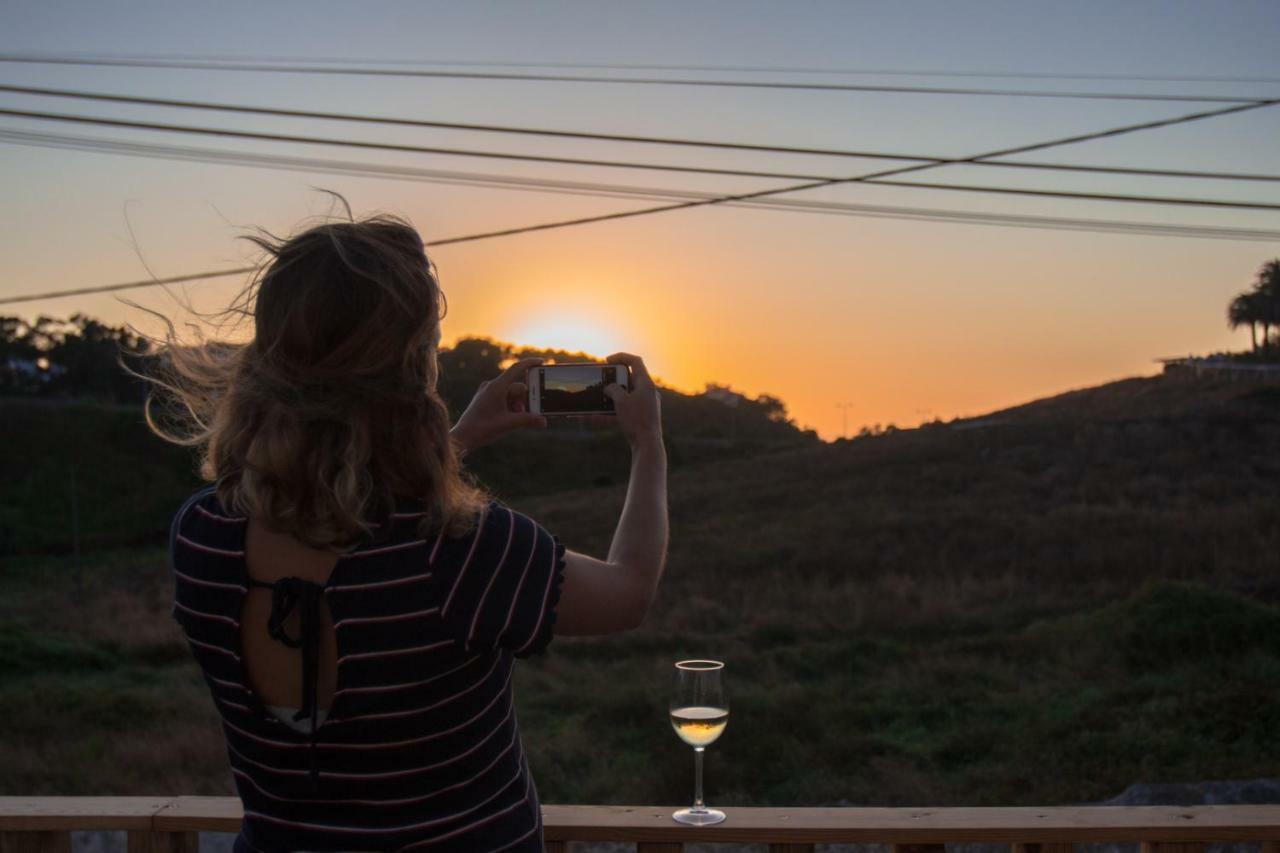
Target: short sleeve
point(500, 584)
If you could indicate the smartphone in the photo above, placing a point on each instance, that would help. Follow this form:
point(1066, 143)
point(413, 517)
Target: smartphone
point(574, 389)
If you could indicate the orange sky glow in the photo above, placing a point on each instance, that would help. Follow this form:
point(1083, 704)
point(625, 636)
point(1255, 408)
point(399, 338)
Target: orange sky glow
point(879, 320)
point(905, 321)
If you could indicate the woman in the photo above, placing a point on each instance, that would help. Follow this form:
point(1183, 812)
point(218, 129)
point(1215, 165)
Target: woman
point(354, 603)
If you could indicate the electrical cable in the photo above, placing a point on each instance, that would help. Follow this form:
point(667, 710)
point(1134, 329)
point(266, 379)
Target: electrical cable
point(352, 168)
point(390, 146)
point(544, 185)
point(818, 180)
point(605, 137)
point(107, 288)
point(779, 69)
point(181, 64)
point(1004, 152)
point(1140, 199)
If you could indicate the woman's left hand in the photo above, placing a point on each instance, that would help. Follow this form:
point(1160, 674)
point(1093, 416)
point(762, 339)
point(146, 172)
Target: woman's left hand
point(499, 406)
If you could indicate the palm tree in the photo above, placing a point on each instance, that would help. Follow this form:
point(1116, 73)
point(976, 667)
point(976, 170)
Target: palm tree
point(1242, 311)
point(1267, 287)
point(1260, 306)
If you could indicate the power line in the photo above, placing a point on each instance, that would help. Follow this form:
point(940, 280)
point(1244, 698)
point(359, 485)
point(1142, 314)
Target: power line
point(887, 213)
point(367, 170)
point(818, 180)
point(107, 288)
point(780, 69)
point(882, 213)
point(391, 146)
point(605, 137)
point(353, 168)
point(1102, 226)
point(1134, 170)
point(1004, 152)
point(181, 64)
point(1142, 199)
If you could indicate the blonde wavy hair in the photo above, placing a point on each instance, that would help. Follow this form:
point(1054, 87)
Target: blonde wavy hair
point(330, 412)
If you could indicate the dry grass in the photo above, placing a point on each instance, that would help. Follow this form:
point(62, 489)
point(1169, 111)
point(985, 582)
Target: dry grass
point(173, 756)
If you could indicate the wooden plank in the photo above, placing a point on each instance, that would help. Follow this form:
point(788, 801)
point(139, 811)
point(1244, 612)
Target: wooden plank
point(1157, 825)
point(200, 814)
point(556, 847)
point(790, 848)
point(163, 842)
point(66, 813)
point(40, 841)
point(921, 826)
point(659, 847)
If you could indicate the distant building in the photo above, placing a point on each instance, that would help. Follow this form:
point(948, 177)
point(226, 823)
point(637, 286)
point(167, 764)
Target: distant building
point(723, 394)
point(29, 372)
point(1221, 365)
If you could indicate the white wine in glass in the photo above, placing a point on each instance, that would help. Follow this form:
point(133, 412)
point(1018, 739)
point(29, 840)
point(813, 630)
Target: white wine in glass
point(699, 713)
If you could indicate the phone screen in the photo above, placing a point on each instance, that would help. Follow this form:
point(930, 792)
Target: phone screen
point(574, 388)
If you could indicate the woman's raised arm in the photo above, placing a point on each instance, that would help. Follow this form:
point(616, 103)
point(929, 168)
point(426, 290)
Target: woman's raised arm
point(611, 595)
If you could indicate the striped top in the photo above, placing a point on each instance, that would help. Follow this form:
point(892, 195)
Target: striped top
point(420, 749)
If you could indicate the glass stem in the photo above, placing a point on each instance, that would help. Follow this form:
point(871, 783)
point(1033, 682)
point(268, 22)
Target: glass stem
point(697, 776)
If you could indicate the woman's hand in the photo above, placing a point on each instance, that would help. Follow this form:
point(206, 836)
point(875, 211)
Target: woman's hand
point(639, 413)
point(499, 406)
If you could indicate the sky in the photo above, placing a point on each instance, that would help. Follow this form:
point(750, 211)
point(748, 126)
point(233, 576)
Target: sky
point(884, 320)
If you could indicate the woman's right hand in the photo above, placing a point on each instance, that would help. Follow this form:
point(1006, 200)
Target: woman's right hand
point(499, 406)
point(639, 412)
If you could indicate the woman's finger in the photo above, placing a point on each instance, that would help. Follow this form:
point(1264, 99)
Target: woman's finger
point(517, 397)
point(639, 373)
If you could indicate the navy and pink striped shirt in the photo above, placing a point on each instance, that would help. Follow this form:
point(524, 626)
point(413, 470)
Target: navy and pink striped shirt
point(420, 749)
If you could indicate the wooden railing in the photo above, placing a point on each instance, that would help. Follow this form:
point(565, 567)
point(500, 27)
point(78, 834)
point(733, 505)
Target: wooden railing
point(173, 824)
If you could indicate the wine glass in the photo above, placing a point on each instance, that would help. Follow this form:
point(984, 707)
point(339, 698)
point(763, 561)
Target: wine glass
point(699, 713)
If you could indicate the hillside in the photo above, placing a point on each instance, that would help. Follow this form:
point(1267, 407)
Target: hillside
point(1041, 498)
point(1040, 606)
point(1153, 397)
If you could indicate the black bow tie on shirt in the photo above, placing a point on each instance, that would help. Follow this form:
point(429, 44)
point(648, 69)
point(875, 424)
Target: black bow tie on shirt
point(286, 594)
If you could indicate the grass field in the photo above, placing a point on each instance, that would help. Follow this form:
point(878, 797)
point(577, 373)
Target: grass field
point(1043, 606)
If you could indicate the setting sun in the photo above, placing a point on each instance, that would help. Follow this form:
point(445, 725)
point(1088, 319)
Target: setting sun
point(574, 330)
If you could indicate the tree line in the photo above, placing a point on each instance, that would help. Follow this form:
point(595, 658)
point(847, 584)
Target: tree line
point(79, 358)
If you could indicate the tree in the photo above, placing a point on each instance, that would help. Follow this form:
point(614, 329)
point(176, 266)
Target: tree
point(1267, 286)
point(75, 358)
point(465, 365)
point(20, 370)
point(1244, 311)
point(773, 407)
point(1259, 306)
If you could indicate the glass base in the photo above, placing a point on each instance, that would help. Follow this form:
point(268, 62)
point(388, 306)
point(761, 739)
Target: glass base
point(699, 817)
